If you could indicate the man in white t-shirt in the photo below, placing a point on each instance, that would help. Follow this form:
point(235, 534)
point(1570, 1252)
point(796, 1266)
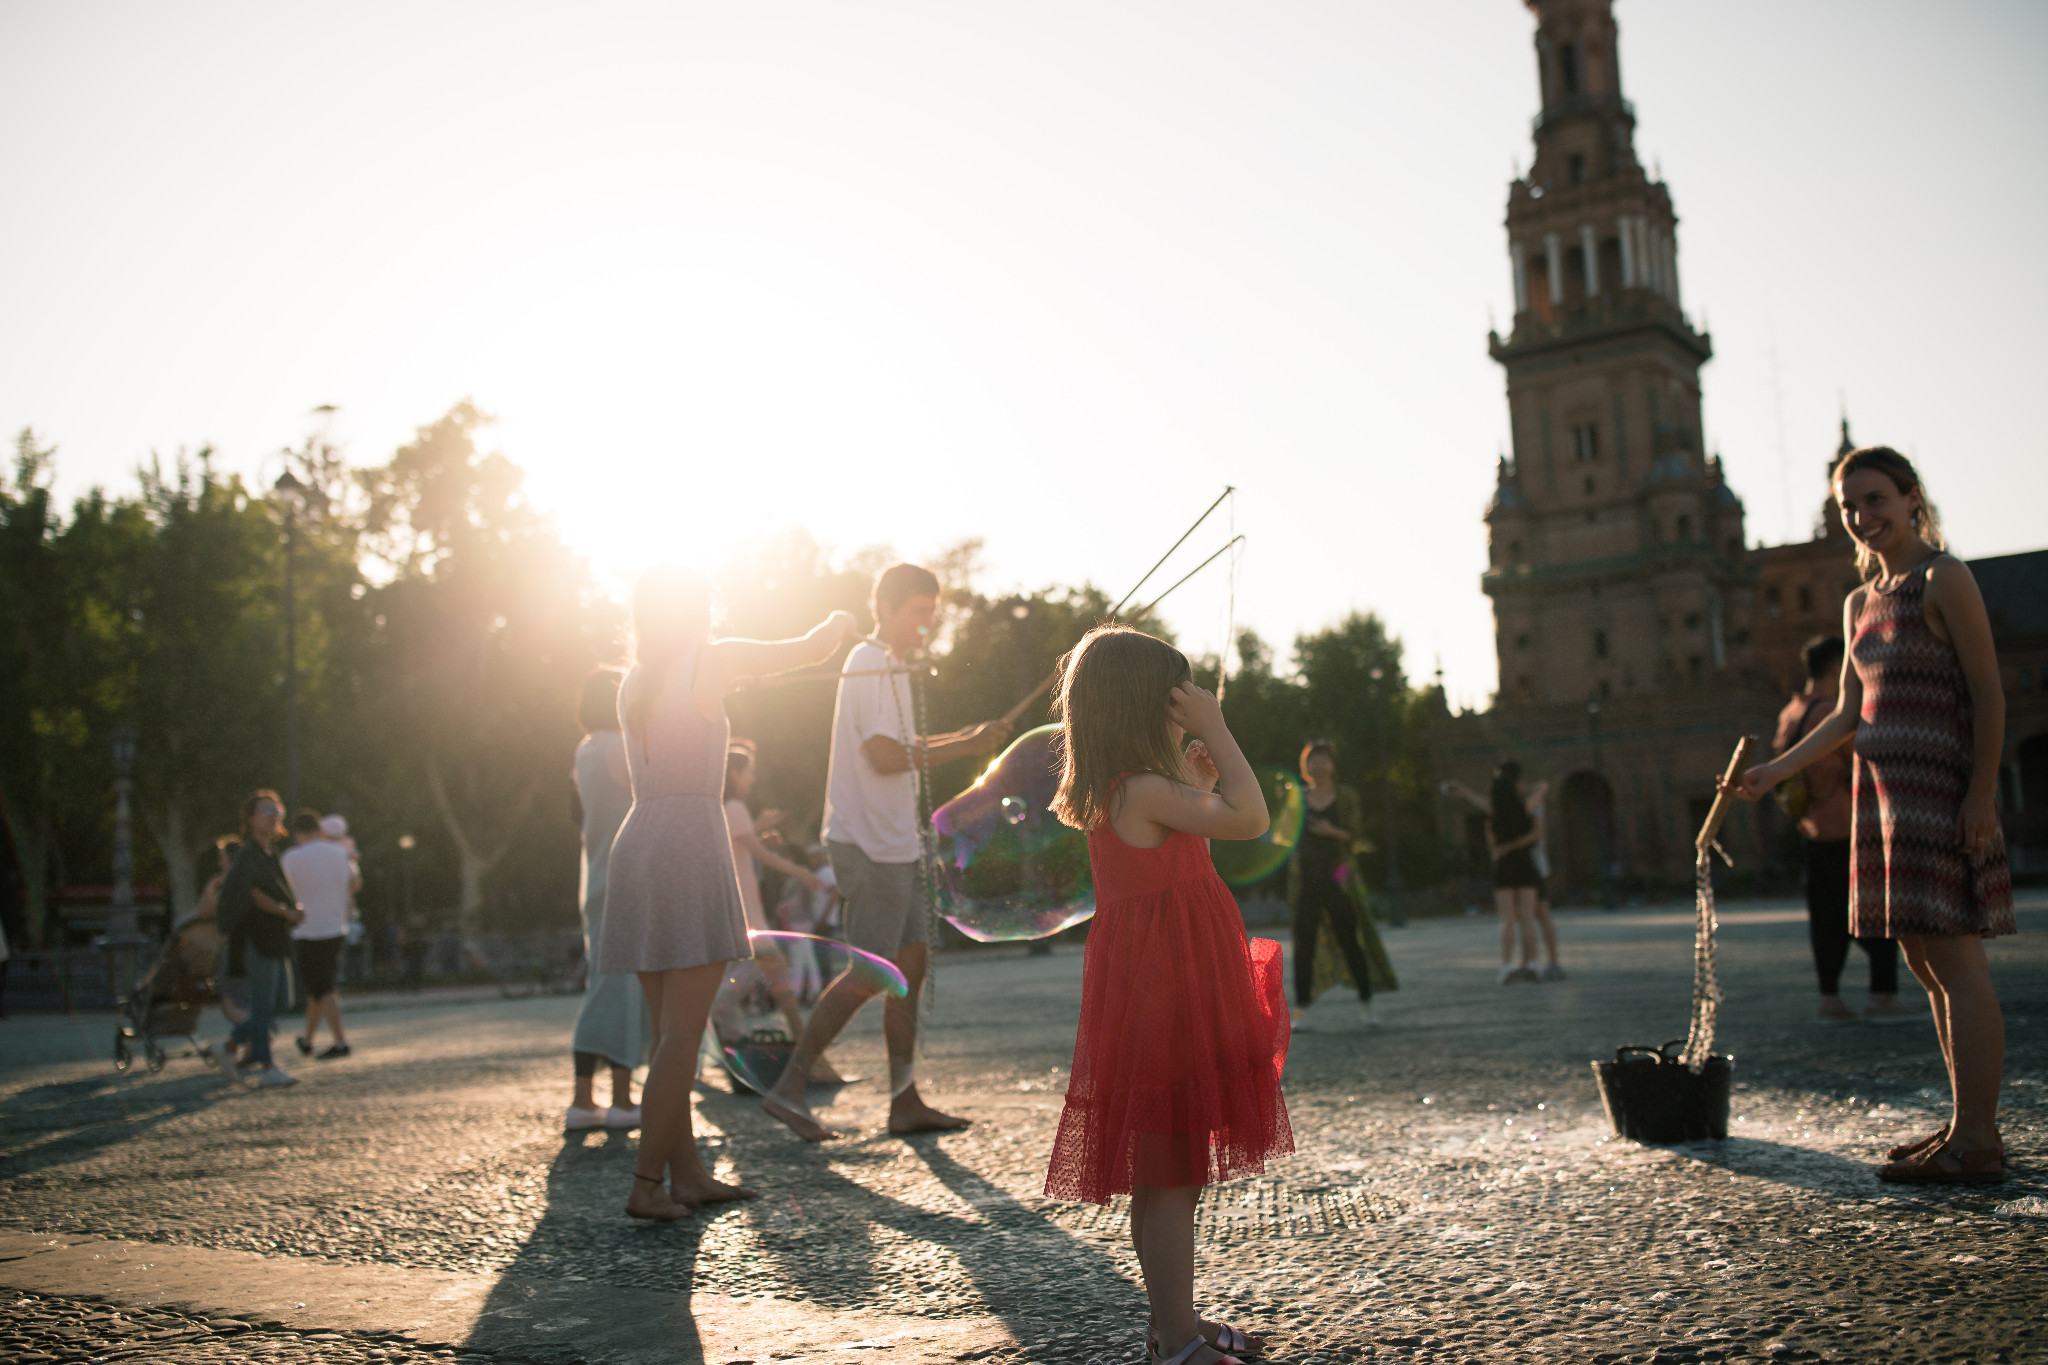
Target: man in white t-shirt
point(871, 832)
point(323, 877)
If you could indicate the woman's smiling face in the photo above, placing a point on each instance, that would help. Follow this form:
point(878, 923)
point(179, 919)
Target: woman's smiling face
point(1877, 513)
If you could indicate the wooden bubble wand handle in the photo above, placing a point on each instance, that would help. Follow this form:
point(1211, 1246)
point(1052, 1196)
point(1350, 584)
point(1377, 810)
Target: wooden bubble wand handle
point(1719, 811)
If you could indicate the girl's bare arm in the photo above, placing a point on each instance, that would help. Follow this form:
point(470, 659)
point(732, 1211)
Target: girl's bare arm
point(727, 661)
point(1150, 806)
point(1831, 734)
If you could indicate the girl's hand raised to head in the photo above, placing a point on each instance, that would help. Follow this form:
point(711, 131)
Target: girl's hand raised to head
point(1196, 711)
point(1203, 766)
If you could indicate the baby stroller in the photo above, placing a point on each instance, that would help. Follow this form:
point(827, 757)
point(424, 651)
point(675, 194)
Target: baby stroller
point(169, 996)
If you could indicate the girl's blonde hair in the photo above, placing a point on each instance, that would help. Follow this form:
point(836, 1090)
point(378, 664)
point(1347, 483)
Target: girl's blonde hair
point(1112, 698)
point(1896, 467)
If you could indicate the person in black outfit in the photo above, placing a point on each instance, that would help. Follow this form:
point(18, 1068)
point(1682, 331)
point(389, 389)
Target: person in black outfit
point(1318, 884)
point(1514, 834)
point(256, 902)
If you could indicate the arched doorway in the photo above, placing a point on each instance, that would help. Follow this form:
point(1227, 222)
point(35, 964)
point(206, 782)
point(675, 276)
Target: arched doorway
point(1583, 842)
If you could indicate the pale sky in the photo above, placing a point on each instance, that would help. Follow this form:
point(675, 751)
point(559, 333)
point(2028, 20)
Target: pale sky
point(1050, 274)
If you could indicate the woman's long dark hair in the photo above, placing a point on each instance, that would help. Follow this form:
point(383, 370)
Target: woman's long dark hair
point(257, 798)
point(1510, 817)
point(671, 615)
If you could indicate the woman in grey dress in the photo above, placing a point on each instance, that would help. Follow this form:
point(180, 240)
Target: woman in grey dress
point(612, 1025)
point(673, 912)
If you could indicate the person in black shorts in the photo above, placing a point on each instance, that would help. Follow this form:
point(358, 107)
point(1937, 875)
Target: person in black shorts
point(1513, 834)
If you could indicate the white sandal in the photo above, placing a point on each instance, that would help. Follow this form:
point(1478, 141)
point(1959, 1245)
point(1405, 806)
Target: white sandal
point(1228, 1340)
point(1186, 1353)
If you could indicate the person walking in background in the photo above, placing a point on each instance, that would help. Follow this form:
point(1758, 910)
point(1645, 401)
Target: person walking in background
point(231, 982)
point(749, 853)
point(256, 902)
point(1921, 698)
point(673, 912)
point(1534, 802)
point(1323, 883)
point(1820, 800)
point(323, 877)
point(611, 1024)
point(872, 832)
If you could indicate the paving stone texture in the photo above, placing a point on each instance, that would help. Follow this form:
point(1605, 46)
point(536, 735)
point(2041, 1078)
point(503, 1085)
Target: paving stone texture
point(1456, 1196)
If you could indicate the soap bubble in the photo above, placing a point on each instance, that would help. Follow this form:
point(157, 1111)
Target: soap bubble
point(1245, 861)
point(1008, 868)
point(870, 969)
point(750, 1037)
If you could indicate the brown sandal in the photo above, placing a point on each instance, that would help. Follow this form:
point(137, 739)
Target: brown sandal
point(1918, 1145)
point(1944, 1166)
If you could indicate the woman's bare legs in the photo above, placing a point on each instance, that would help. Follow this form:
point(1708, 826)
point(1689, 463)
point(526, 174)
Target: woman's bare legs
point(622, 1087)
point(1517, 906)
point(1972, 1030)
point(678, 1004)
point(1540, 910)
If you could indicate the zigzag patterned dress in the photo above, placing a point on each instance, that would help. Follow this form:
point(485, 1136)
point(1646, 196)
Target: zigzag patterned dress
point(1914, 754)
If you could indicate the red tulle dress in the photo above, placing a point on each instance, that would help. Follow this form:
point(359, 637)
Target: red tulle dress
point(1183, 1034)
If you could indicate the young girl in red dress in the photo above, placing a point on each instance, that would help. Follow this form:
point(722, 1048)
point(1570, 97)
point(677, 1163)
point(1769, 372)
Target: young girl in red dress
point(1184, 1027)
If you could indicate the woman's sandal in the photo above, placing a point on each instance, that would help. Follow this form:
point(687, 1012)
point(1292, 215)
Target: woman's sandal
point(1186, 1353)
point(1227, 1338)
point(1918, 1145)
point(1944, 1166)
point(681, 1209)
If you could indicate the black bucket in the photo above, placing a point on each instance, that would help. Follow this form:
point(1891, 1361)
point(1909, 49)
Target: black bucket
point(1651, 1096)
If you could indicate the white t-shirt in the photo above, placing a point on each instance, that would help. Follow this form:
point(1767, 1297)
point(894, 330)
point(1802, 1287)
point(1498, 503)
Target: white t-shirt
point(320, 871)
point(875, 812)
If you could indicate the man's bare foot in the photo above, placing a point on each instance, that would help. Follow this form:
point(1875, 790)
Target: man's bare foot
point(910, 1115)
point(649, 1200)
point(706, 1189)
point(796, 1118)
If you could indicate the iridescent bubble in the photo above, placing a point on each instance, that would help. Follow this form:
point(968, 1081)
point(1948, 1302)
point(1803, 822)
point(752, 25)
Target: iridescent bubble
point(870, 969)
point(1245, 861)
point(751, 1038)
point(1008, 869)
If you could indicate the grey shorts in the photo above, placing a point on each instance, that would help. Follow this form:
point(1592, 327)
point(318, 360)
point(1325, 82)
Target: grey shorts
point(883, 911)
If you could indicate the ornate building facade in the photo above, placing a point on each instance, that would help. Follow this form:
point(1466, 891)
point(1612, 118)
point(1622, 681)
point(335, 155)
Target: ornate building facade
point(1638, 635)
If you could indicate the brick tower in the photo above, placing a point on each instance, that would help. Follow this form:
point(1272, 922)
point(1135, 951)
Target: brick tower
point(1622, 592)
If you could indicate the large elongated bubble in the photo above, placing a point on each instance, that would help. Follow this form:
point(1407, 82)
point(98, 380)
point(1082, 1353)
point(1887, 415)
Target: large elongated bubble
point(750, 1036)
point(1245, 861)
point(1008, 869)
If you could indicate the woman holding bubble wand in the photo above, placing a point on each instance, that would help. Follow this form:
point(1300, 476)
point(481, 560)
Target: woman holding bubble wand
point(1184, 1029)
point(1921, 697)
point(674, 913)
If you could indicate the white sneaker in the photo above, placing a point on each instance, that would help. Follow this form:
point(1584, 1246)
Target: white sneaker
point(1307, 1024)
point(276, 1078)
point(615, 1117)
point(222, 1060)
point(1509, 974)
point(578, 1120)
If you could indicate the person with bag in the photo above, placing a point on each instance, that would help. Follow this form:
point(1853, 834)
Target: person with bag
point(1324, 888)
point(1819, 799)
point(256, 901)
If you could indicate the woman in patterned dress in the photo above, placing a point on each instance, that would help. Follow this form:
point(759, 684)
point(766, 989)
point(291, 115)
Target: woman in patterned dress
point(1921, 697)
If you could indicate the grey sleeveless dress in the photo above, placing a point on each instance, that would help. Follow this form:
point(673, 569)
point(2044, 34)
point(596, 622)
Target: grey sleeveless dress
point(672, 898)
point(613, 1020)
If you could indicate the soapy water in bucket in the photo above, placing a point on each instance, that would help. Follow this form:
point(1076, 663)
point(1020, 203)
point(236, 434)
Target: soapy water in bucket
point(1007, 868)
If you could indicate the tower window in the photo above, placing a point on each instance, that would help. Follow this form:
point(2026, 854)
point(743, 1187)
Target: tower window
point(1568, 67)
point(1515, 551)
point(1599, 644)
point(1685, 528)
point(1589, 485)
point(1525, 641)
point(1606, 689)
point(1805, 598)
point(1575, 166)
point(1586, 442)
point(1693, 665)
point(1692, 620)
point(1775, 600)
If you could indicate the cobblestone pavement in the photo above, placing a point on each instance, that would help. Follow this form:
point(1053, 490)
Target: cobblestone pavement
point(1456, 1195)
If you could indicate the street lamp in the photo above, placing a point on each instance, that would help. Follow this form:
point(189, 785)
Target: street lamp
point(123, 937)
point(291, 499)
point(1397, 915)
